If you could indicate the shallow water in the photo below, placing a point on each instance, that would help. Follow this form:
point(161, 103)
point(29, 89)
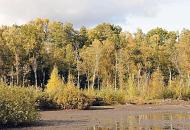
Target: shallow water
point(150, 121)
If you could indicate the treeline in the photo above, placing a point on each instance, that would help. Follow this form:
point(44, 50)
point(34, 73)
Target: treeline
point(93, 57)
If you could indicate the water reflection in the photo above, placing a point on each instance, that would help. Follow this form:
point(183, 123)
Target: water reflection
point(152, 121)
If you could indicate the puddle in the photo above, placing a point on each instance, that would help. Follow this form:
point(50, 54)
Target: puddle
point(151, 121)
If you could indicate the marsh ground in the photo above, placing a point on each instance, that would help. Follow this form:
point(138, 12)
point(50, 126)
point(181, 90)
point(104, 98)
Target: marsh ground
point(161, 116)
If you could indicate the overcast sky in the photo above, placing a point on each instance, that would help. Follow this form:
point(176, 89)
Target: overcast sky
point(129, 14)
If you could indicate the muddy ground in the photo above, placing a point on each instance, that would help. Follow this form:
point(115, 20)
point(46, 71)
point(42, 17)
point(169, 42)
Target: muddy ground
point(101, 116)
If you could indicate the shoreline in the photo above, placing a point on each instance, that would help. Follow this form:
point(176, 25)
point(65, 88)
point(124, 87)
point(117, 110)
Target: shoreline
point(101, 116)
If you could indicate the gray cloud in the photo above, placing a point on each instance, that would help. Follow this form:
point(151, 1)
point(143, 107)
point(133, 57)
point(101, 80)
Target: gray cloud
point(79, 12)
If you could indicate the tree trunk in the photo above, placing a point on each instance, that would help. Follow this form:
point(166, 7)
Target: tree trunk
point(116, 69)
point(77, 59)
point(35, 71)
point(88, 79)
point(17, 68)
point(43, 77)
point(98, 83)
point(35, 77)
point(95, 70)
point(120, 71)
point(23, 80)
point(170, 77)
point(188, 79)
point(78, 74)
point(4, 79)
point(12, 77)
point(93, 80)
point(69, 75)
point(138, 78)
point(147, 84)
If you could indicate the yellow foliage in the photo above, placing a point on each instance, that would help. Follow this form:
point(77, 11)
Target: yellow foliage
point(132, 88)
point(91, 92)
point(70, 97)
point(17, 105)
point(156, 86)
point(112, 96)
point(54, 82)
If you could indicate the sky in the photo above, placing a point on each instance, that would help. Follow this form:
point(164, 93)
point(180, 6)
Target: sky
point(129, 14)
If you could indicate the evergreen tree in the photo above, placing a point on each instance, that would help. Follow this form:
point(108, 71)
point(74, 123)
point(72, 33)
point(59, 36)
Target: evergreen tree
point(55, 81)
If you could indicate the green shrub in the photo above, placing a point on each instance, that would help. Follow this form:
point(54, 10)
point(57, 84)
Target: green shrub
point(167, 93)
point(71, 97)
point(111, 96)
point(185, 93)
point(92, 95)
point(176, 92)
point(45, 101)
point(121, 96)
point(17, 105)
point(132, 90)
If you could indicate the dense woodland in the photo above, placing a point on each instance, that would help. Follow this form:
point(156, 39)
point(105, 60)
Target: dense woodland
point(96, 57)
point(50, 65)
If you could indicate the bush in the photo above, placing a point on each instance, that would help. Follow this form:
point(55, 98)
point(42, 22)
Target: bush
point(186, 93)
point(70, 97)
point(132, 90)
point(176, 93)
point(121, 96)
point(63, 96)
point(17, 105)
point(167, 93)
point(111, 96)
point(45, 101)
point(92, 95)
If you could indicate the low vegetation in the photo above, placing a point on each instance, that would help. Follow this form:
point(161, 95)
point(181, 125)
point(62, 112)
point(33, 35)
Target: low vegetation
point(71, 97)
point(17, 105)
